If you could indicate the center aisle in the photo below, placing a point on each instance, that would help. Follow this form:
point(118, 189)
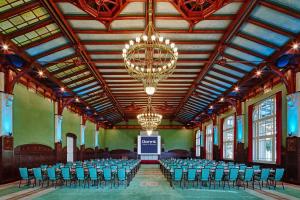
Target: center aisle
point(149, 183)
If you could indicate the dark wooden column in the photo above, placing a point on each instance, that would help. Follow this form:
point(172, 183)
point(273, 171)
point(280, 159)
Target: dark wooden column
point(58, 152)
point(8, 170)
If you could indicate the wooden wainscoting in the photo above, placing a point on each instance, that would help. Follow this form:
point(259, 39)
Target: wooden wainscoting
point(33, 155)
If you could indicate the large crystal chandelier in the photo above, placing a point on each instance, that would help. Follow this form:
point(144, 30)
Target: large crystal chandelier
point(150, 57)
point(149, 120)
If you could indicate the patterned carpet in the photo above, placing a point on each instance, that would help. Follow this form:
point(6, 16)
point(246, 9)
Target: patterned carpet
point(148, 184)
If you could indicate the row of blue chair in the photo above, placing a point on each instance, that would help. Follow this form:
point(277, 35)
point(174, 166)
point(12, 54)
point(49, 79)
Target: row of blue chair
point(65, 174)
point(216, 174)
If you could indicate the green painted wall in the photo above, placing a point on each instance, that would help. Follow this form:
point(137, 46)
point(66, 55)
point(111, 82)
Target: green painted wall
point(33, 118)
point(127, 138)
point(70, 124)
point(101, 138)
point(90, 135)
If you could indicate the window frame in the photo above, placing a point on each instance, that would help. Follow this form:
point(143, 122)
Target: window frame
point(224, 134)
point(209, 154)
point(255, 131)
point(198, 144)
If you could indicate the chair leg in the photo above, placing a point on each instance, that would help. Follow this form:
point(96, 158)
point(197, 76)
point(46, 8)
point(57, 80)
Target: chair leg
point(282, 185)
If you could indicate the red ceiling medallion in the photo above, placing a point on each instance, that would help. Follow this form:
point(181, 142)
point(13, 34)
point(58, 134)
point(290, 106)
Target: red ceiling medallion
point(196, 10)
point(104, 10)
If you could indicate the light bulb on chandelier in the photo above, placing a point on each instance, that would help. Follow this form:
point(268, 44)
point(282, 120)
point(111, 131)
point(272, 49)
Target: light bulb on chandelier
point(150, 90)
point(149, 132)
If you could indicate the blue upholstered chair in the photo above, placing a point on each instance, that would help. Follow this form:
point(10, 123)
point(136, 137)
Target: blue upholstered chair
point(192, 176)
point(247, 177)
point(93, 176)
point(80, 175)
point(38, 176)
point(279, 172)
point(66, 175)
point(177, 176)
point(263, 177)
point(204, 178)
point(107, 175)
point(52, 176)
point(219, 174)
point(122, 176)
point(233, 175)
point(24, 176)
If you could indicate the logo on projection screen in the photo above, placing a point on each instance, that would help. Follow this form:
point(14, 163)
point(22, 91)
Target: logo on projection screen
point(148, 144)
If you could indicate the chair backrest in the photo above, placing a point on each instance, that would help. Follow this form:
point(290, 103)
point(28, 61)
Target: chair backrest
point(265, 173)
point(37, 173)
point(178, 174)
point(51, 173)
point(219, 173)
point(256, 167)
point(249, 172)
point(107, 173)
point(93, 173)
point(279, 174)
point(243, 167)
point(121, 174)
point(233, 174)
point(114, 167)
point(23, 173)
point(185, 167)
point(80, 173)
point(65, 171)
point(192, 174)
point(44, 166)
point(205, 174)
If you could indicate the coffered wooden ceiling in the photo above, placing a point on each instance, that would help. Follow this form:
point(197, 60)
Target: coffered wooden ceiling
point(78, 43)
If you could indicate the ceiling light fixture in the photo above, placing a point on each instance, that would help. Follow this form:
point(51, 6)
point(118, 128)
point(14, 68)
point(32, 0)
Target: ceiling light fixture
point(5, 47)
point(149, 119)
point(41, 73)
point(236, 88)
point(258, 73)
point(150, 57)
point(295, 46)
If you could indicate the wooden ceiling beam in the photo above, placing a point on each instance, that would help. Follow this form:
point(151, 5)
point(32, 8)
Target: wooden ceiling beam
point(41, 41)
point(142, 17)
point(234, 27)
point(257, 40)
point(29, 28)
point(285, 11)
point(271, 28)
point(202, 31)
point(74, 74)
point(246, 79)
point(49, 52)
point(79, 79)
point(64, 25)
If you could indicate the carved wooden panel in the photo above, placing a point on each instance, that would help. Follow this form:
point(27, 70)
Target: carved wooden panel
point(33, 155)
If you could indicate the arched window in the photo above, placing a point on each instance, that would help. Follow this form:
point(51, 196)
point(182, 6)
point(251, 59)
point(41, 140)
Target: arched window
point(264, 131)
point(209, 142)
point(228, 137)
point(198, 143)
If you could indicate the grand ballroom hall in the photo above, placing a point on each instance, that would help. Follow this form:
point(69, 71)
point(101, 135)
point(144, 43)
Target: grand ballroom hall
point(150, 99)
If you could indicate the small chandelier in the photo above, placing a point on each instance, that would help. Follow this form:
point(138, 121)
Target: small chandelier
point(149, 120)
point(150, 57)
